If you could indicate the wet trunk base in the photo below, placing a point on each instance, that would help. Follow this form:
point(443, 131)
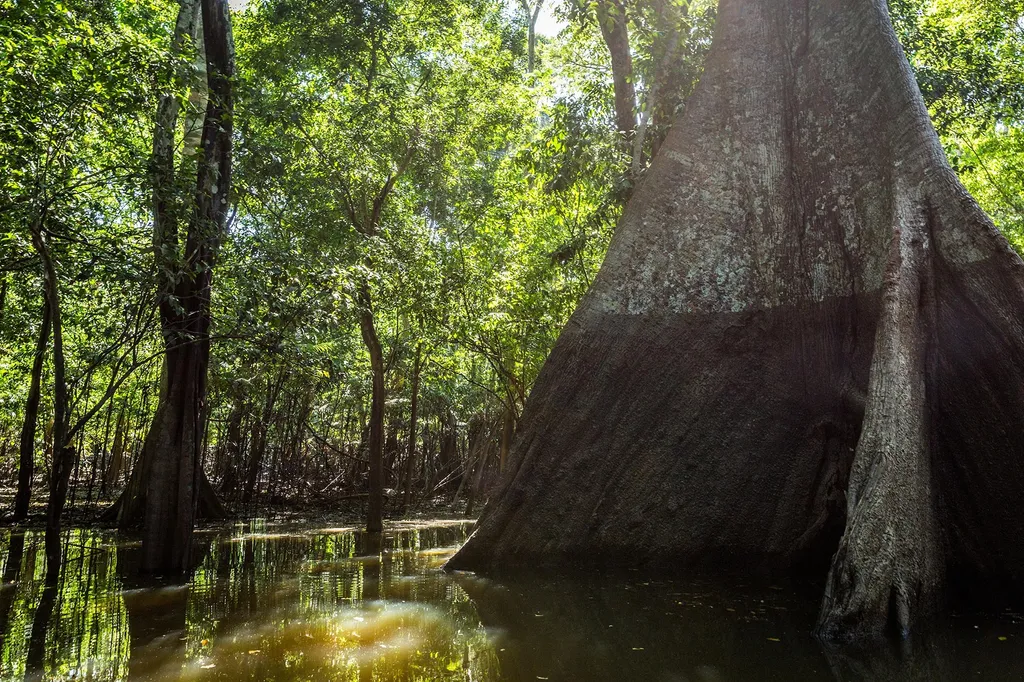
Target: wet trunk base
point(128, 514)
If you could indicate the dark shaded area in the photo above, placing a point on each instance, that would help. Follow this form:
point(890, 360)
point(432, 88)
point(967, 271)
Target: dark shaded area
point(654, 410)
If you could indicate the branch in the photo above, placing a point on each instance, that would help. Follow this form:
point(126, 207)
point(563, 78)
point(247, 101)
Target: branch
point(389, 184)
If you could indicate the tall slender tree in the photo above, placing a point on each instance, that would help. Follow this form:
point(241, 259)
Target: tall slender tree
point(614, 23)
point(532, 14)
point(30, 420)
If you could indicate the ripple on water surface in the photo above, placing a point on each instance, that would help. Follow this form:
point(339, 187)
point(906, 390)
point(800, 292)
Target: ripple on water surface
point(291, 602)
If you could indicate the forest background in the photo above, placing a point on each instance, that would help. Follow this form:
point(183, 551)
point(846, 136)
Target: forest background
point(422, 191)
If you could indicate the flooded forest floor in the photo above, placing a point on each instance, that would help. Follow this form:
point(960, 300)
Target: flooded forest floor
point(297, 596)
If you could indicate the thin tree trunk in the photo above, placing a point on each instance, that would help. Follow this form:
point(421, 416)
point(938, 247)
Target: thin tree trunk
point(484, 441)
point(258, 451)
point(80, 448)
point(94, 465)
point(12, 570)
point(254, 466)
point(611, 15)
point(26, 458)
point(474, 438)
point(64, 456)
point(366, 220)
point(113, 468)
point(413, 414)
point(532, 14)
point(508, 425)
point(375, 503)
point(34, 661)
point(651, 99)
point(3, 296)
point(233, 448)
point(104, 453)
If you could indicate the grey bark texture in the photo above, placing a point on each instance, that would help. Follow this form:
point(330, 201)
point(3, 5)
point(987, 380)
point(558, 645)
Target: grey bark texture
point(803, 355)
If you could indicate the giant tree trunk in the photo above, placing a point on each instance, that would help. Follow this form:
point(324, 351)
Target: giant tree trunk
point(27, 452)
point(804, 350)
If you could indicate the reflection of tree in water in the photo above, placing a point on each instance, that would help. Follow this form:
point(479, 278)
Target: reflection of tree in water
point(77, 628)
point(261, 605)
point(34, 663)
point(23, 596)
point(11, 571)
point(331, 605)
point(269, 603)
point(914, 660)
point(624, 627)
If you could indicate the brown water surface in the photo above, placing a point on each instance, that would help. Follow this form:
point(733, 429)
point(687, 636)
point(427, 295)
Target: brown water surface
point(292, 602)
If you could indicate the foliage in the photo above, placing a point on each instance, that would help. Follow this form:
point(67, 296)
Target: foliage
point(969, 61)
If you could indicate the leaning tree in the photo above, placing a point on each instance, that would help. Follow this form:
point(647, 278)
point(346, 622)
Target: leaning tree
point(804, 353)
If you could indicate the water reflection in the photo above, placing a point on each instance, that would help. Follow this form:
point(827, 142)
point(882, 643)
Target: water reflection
point(286, 602)
point(74, 630)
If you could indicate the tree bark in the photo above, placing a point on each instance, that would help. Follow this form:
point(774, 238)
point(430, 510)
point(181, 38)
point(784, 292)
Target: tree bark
point(890, 491)
point(803, 353)
point(35, 658)
point(112, 472)
point(26, 455)
point(410, 457)
point(611, 15)
point(668, 28)
point(258, 450)
point(532, 14)
point(165, 210)
point(508, 427)
point(12, 571)
point(366, 220)
point(233, 448)
point(375, 503)
point(3, 296)
point(64, 455)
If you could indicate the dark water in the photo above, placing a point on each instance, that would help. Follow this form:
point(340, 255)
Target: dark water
point(291, 602)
